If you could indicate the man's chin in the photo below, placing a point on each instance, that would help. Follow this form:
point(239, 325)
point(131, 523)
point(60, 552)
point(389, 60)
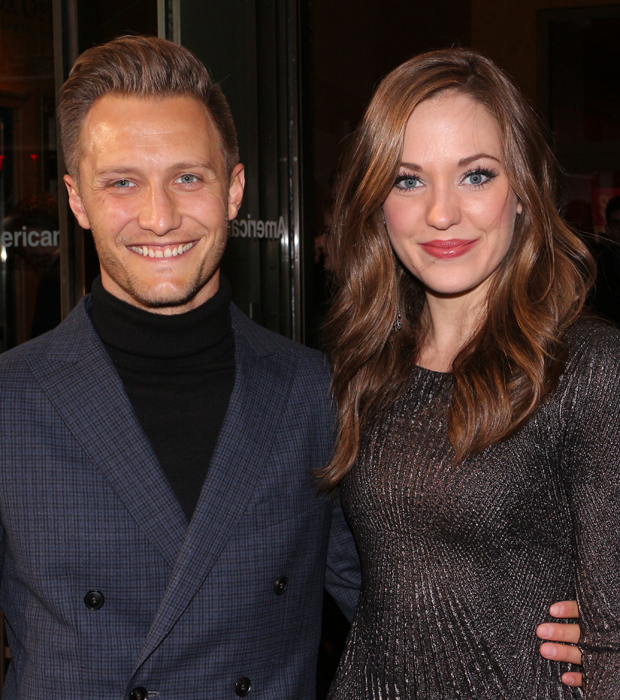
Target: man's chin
point(165, 301)
point(162, 296)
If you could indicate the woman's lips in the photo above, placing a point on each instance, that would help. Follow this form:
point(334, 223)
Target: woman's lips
point(446, 250)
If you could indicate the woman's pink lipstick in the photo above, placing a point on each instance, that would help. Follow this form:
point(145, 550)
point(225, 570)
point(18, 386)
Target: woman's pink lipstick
point(446, 250)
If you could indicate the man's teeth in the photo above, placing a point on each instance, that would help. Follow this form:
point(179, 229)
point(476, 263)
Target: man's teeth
point(161, 253)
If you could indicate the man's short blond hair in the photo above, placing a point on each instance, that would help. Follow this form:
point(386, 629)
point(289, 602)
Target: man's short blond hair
point(140, 66)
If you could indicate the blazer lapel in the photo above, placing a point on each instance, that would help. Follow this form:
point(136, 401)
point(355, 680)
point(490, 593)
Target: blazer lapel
point(79, 379)
point(241, 452)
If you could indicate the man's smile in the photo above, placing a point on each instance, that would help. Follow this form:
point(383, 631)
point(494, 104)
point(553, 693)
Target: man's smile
point(161, 251)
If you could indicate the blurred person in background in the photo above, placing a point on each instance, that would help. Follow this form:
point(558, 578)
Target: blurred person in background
point(606, 297)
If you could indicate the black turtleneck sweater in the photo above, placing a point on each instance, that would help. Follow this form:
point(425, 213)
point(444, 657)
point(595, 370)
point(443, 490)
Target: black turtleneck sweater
point(178, 372)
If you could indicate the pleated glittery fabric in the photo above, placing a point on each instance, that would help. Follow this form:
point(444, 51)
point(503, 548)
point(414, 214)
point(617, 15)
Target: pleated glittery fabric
point(461, 562)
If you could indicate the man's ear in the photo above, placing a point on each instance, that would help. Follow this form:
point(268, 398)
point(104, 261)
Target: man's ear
point(235, 190)
point(75, 202)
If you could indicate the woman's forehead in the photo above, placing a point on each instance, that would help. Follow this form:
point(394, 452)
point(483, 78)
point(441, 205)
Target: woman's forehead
point(451, 125)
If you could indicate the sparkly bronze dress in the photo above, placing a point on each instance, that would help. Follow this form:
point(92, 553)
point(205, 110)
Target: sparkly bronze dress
point(460, 563)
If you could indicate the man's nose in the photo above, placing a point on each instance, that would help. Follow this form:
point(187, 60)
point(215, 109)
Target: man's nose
point(159, 212)
point(443, 209)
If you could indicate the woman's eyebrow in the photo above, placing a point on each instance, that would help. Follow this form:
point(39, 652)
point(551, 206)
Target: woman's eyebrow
point(411, 166)
point(471, 159)
point(463, 162)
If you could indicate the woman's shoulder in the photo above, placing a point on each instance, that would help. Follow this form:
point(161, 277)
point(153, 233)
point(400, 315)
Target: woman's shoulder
point(593, 345)
point(590, 331)
point(589, 386)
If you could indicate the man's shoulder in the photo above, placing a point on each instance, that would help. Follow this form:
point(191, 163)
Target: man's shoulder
point(265, 342)
point(284, 371)
point(61, 343)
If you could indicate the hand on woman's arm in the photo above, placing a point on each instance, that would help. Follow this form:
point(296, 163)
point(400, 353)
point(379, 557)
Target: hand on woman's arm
point(562, 632)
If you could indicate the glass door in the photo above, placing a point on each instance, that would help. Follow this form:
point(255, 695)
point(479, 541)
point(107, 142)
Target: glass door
point(30, 237)
point(251, 48)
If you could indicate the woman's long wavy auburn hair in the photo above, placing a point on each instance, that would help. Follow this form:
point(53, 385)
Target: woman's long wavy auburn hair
point(515, 358)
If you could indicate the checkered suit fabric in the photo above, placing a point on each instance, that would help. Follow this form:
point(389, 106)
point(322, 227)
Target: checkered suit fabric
point(188, 609)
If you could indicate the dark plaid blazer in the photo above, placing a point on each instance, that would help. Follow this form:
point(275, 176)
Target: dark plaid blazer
point(104, 586)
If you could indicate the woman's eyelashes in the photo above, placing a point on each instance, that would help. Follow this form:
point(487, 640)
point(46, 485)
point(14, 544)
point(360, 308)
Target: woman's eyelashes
point(477, 177)
point(407, 182)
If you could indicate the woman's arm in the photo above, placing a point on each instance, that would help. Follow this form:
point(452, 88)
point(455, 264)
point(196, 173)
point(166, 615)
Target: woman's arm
point(590, 420)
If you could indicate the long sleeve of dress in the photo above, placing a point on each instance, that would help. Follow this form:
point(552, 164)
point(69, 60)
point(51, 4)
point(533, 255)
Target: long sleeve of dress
point(591, 419)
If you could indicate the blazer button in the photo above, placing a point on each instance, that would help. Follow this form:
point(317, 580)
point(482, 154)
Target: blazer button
point(138, 693)
point(94, 600)
point(243, 686)
point(280, 585)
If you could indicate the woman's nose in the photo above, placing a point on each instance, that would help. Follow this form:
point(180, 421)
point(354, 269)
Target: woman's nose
point(443, 208)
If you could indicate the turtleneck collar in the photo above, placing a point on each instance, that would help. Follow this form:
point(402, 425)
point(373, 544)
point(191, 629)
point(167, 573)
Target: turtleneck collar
point(133, 331)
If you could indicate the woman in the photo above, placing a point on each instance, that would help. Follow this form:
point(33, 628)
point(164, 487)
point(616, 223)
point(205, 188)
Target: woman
point(478, 453)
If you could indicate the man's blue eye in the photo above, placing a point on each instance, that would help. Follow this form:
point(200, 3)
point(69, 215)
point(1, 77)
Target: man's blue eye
point(122, 183)
point(188, 179)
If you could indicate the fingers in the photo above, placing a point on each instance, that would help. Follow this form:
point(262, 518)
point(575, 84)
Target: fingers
point(559, 632)
point(560, 652)
point(565, 608)
point(570, 678)
point(568, 633)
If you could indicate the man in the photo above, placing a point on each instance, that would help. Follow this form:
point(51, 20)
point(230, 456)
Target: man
point(162, 536)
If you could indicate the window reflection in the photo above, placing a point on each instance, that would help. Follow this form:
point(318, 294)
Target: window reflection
point(29, 245)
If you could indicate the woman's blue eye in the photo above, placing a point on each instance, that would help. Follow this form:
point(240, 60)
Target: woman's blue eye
point(478, 177)
point(407, 182)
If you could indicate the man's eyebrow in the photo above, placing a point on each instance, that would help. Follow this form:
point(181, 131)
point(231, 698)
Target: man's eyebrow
point(463, 162)
point(129, 169)
point(115, 170)
point(193, 165)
